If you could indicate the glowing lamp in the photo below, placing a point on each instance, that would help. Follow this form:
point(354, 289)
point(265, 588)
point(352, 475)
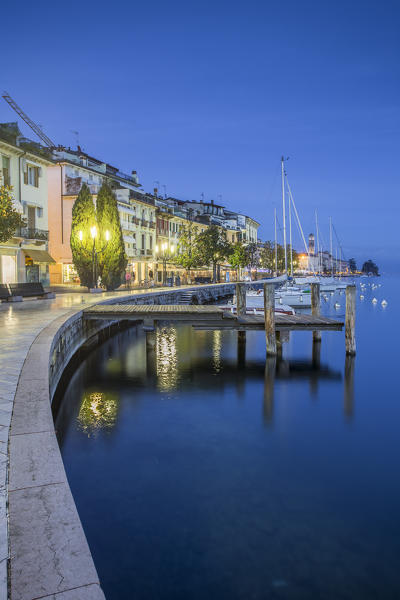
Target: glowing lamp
point(93, 231)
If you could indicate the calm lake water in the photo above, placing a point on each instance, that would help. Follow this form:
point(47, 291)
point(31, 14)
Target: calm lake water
point(201, 472)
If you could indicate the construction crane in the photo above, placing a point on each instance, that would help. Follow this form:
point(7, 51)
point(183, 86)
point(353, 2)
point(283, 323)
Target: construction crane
point(28, 121)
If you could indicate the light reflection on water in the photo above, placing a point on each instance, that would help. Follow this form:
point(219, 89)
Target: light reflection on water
point(167, 359)
point(254, 478)
point(98, 410)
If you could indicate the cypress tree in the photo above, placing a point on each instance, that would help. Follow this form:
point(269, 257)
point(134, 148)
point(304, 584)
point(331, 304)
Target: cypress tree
point(112, 261)
point(83, 218)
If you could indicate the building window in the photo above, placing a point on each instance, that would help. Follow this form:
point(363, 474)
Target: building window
point(151, 242)
point(143, 242)
point(39, 212)
point(5, 165)
point(31, 176)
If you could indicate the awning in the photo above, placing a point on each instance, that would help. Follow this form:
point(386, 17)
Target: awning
point(39, 256)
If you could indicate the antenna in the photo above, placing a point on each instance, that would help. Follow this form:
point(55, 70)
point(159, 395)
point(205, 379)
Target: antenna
point(28, 121)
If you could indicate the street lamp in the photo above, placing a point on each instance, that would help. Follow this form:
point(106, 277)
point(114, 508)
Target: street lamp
point(95, 250)
point(165, 254)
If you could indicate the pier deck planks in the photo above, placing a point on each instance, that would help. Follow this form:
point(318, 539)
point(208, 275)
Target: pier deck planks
point(208, 317)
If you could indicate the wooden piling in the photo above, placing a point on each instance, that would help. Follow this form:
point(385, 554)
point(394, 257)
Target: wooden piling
point(269, 310)
point(350, 321)
point(240, 299)
point(315, 307)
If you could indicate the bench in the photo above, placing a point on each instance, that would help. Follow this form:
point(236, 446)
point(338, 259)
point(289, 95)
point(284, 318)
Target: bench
point(202, 279)
point(4, 291)
point(28, 290)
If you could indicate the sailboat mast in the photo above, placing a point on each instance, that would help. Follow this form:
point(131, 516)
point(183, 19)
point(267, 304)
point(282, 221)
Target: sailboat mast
point(290, 237)
point(284, 210)
point(330, 239)
point(318, 253)
point(276, 246)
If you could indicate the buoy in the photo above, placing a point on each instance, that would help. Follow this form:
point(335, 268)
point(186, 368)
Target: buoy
point(337, 305)
point(384, 303)
point(374, 300)
point(361, 297)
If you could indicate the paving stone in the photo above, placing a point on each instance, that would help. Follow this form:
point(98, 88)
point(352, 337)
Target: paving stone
point(49, 554)
point(32, 411)
point(35, 459)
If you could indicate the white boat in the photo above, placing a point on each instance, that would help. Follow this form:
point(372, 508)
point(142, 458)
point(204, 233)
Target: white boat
point(255, 305)
point(295, 299)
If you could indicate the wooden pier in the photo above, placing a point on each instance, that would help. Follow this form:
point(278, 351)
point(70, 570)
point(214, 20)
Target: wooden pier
point(214, 317)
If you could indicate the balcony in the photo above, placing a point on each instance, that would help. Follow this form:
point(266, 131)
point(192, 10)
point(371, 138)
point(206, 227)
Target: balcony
point(29, 233)
point(152, 224)
point(144, 223)
point(149, 252)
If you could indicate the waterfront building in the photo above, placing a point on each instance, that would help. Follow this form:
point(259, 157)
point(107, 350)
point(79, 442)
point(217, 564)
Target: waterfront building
point(71, 170)
point(23, 165)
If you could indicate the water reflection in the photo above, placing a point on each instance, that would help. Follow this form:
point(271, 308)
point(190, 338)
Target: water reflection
point(349, 386)
point(269, 383)
point(98, 410)
point(167, 359)
point(217, 347)
point(178, 359)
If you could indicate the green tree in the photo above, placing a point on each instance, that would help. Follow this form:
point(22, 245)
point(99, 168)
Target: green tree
point(10, 218)
point(253, 256)
point(352, 265)
point(112, 258)
point(370, 267)
point(187, 252)
point(267, 256)
point(238, 257)
point(213, 248)
point(81, 241)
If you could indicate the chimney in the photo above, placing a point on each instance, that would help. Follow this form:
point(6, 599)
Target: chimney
point(212, 201)
point(155, 191)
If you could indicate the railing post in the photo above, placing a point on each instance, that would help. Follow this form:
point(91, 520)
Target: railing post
point(240, 299)
point(350, 323)
point(315, 307)
point(269, 311)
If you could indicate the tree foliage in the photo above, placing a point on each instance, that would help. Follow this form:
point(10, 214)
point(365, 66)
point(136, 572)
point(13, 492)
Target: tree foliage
point(238, 257)
point(83, 218)
point(188, 255)
point(111, 258)
point(370, 267)
point(10, 218)
point(213, 247)
point(253, 256)
point(267, 257)
point(352, 265)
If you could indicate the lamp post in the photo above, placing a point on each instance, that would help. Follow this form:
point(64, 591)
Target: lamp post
point(95, 250)
point(165, 253)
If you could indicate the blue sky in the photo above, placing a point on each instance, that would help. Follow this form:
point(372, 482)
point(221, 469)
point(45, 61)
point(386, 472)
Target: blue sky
point(206, 97)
